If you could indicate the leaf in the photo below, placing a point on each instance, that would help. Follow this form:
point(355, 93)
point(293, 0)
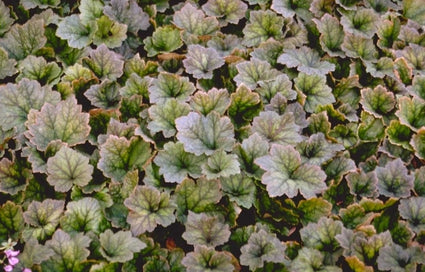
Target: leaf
point(119, 246)
point(413, 10)
point(417, 142)
point(205, 134)
point(311, 210)
point(198, 197)
point(69, 251)
point(201, 62)
point(331, 34)
point(274, 128)
point(14, 176)
point(418, 87)
point(394, 180)
point(68, 168)
point(34, 253)
point(119, 155)
point(225, 44)
point(285, 174)
point(24, 40)
point(413, 210)
point(127, 12)
point(244, 106)
point(378, 101)
point(167, 86)
point(38, 69)
point(136, 85)
point(149, 208)
point(105, 63)
point(214, 100)
point(388, 32)
point(359, 47)
point(43, 217)
point(317, 150)
point(411, 112)
point(262, 26)
point(207, 259)
point(262, 247)
point(164, 39)
point(75, 32)
point(381, 68)
point(175, 163)
point(42, 4)
point(252, 72)
point(226, 11)
point(419, 182)
point(278, 85)
point(109, 32)
point(7, 66)
point(398, 259)
point(361, 22)
point(362, 184)
point(306, 60)
point(310, 259)
point(315, 89)
point(90, 10)
point(338, 167)
point(83, 215)
point(371, 128)
point(220, 164)
point(240, 189)
point(321, 236)
point(194, 21)
point(5, 20)
point(11, 221)
point(104, 95)
point(250, 149)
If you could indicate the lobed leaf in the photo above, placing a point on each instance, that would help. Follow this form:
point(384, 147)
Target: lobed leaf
point(164, 39)
point(214, 100)
point(413, 210)
point(109, 32)
point(240, 189)
point(220, 165)
point(252, 72)
point(207, 259)
point(119, 246)
point(104, 95)
point(105, 63)
point(7, 66)
point(201, 62)
point(394, 180)
point(227, 11)
point(263, 24)
point(167, 86)
point(194, 21)
point(75, 32)
point(127, 12)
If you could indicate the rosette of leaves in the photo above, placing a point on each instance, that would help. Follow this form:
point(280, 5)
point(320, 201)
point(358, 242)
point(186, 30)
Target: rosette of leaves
point(164, 39)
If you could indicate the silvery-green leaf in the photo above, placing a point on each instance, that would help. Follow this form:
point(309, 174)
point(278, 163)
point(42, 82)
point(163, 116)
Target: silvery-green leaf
point(280, 84)
point(413, 210)
point(320, 8)
point(227, 11)
point(23, 40)
point(361, 22)
point(240, 189)
point(250, 149)
point(399, 134)
point(317, 150)
point(11, 221)
point(315, 89)
point(175, 163)
point(127, 12)
point(381, 68)
point(331, 35)
point(5, 20)
point(359, 47)
point(164, 39)
point(410, 112)
point(201, 62)
point(310, 259)
point(418, 86)
point(338, 167)
point(288, 8)
point(362, 184)
point(149, 208)
point(42, 4)
point(214, 100)
point(306, 60)
point(418, 143)
point(419, 182)
point(194, 21)
point(109, 32)
point(263, 24)
point(7, 66)
point(371, 128)
point(164, 114)
point(394, 180)
point(37, 68)
point(16, 101)
point(167, 86)
point(70, 124)
point(414, 55)
point(90, 10)
point(202, 229)
point(105, 63)
point(253, 71)
point(220, 164)
point(207, 259)
point(68, 168)
point(14, 176)
point(205, 134)
point(135, 85)
point(286, 174)
point(34, 253)
point(414, 10)
point(119, 246)
point(275, 128)
point(388, 32)
point(104, 95)
point(269, 51)
point(244, 106)
point(262, 247)
point(397, 259)
point(224, 44)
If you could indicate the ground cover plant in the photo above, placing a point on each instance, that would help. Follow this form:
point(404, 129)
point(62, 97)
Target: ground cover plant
point(218, 135)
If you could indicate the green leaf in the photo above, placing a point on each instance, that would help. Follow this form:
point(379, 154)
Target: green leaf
point(224, 44)
point(69, 252)
point(288, 8)
point(24, 40)
point(220, 164)
point(399, 134)
point(250, 149)
point(339, 166)
point(268, 51)
point(361, 22)
point(417, 142)
point(201, 229)
point(378, 101)
point(135, 85)
point(34, 253)
point(83, 215)
point(43, 217)
point(286, 174)
point(105, 63)
point(411, 112)
point(263, 24)
point(11, 221)
point(311, 210)
point(207, 259)
point(413, 210)
point(176, 164)
point(388, 32)
point(226, 11)
point(194, 21)
point(362, 184)
point(317, 150)
point(418, 86)
point(68, 168)
point(414, 10)
point(331, 35)
point(167, 86)
point(262, 247)
point(38, 69)
point(164, 39)
point(14, 176)
point(109, 32)
point(214, 100)
point(7, 66)
point(315, 89)
point(306, 60)
point(201, 62)
point(381, 68)
point(398, 259)
point(394, 180)
point(5, 20)
point(244, 106)
point(198, 197)
point(205, 134)
point(275, 128)
point(127, 12)
point(310, 259)
point(240, 189)
point(119, 246)
point(371, 128)
point(278, 85)
point(164, 114)
point(104, 95)
point(149, 208)
point(359, 47)
point(119, 155)
point(90, 10)
point(419, 182)
point(75, 32)
point(321, 236)
point(252, 72)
